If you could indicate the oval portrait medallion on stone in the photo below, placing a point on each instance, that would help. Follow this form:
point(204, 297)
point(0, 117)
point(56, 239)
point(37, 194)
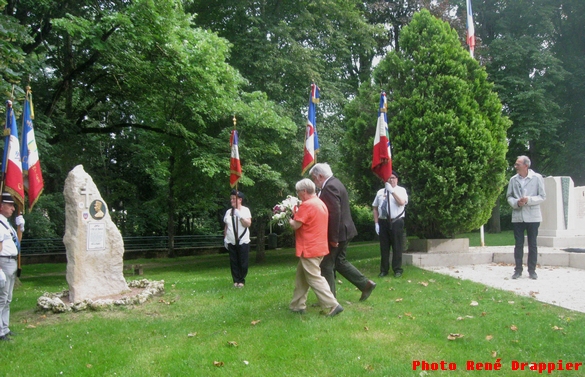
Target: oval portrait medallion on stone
point(97, 209)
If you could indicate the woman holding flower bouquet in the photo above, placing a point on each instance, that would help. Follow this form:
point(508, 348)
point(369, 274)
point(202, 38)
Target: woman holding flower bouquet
point(310, 225)
point(237, 237)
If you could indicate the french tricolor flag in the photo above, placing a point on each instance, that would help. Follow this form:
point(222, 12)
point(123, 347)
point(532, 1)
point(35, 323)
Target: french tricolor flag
point(382, 157)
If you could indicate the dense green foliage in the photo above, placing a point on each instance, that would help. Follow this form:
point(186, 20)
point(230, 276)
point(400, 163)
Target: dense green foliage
point(450, 136)
point(143, 94)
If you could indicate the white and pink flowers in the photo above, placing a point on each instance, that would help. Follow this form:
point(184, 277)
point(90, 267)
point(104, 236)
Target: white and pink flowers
point(283, 211)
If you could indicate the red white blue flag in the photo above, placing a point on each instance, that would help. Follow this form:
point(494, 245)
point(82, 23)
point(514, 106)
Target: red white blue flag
point(31, 165)
point(11, 165)
point(311, 138)
point(235, 166)
point(382, 157)
point(470, 29)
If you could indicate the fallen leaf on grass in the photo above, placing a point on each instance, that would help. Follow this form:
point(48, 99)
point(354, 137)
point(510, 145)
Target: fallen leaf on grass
point(233, 343)
point(494, 354)
point(369, 367)
point(31, 327)
point(462, 318)
point(246, 362)
point(510, 302)
point(218, 363)
point(513, 328)
point(489, 337)
point(398, 299)
point(424, 283)
point(192, 334)
point(254, 323)
point(89, 365)
point(366, 328)
point(453, 336)
point(474, 303)
point(556, 328)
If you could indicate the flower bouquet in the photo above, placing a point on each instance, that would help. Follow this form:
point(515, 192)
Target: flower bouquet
point(283, 211)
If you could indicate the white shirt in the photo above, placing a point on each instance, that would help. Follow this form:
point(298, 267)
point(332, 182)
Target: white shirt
point(229, 234)
point(395, 209)
point(6, 237)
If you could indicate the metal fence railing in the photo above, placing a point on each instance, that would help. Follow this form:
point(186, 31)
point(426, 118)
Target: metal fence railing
point(55, 245)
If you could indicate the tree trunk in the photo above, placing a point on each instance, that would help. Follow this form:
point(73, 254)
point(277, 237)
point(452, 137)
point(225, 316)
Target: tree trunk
point(171, 209)
point(494, 225)
point(260, 236)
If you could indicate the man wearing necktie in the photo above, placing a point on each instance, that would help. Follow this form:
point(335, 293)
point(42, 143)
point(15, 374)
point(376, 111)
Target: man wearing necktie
point(388, 208)
point(341, 230)
point(9, 249)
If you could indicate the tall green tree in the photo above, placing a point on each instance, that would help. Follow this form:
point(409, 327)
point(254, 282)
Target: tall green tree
point(519, 38)
point(449, 139)
point(568, 158)
point(143, 99)
point(281, 47)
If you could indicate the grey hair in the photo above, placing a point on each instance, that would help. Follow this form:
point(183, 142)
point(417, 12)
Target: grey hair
point(307, 185)
point(322, 169)
point(525, 160)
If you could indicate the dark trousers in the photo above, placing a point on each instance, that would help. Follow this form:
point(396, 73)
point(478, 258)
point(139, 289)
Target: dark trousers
point(335, 262)
point(239, 261)
point(531, 233)
point(391, 235)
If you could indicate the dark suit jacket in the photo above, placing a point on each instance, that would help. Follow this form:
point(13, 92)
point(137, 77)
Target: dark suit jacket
point(341, 226)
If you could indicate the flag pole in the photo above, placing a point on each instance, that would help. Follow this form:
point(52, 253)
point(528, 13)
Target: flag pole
point(471, 43)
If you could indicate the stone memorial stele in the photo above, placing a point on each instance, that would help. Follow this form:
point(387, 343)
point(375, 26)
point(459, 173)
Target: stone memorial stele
point(95, 248)
point(563, 214)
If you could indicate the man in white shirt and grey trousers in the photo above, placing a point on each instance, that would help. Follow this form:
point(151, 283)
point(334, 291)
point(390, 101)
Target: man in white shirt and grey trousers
point(525, 193)
point(9, 249)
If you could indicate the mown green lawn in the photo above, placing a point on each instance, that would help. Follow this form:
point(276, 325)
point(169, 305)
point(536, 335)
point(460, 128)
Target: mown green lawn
point(202, 326)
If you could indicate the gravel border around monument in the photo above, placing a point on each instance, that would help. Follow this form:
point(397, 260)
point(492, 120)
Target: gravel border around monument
point(139, 292)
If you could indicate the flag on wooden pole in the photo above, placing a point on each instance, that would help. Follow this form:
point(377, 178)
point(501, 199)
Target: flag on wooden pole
point(31, 164)
point(382, 156)
point(470, 29)
point(311, 138)
point(11, 164)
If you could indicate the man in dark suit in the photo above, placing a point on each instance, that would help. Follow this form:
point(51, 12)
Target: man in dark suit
point(341, 230)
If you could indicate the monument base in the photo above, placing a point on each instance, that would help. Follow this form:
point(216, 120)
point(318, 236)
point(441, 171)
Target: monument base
point(439, 245)
point(560, 242)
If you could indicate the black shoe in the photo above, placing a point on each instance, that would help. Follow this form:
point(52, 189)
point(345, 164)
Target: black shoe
point(533, 275)
point(516, 275)
point(298, 311)
point(382, 274)
point(11, 333)
point(335, 311)
point(4, 338)
point(398, 274)
point(368, 290)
